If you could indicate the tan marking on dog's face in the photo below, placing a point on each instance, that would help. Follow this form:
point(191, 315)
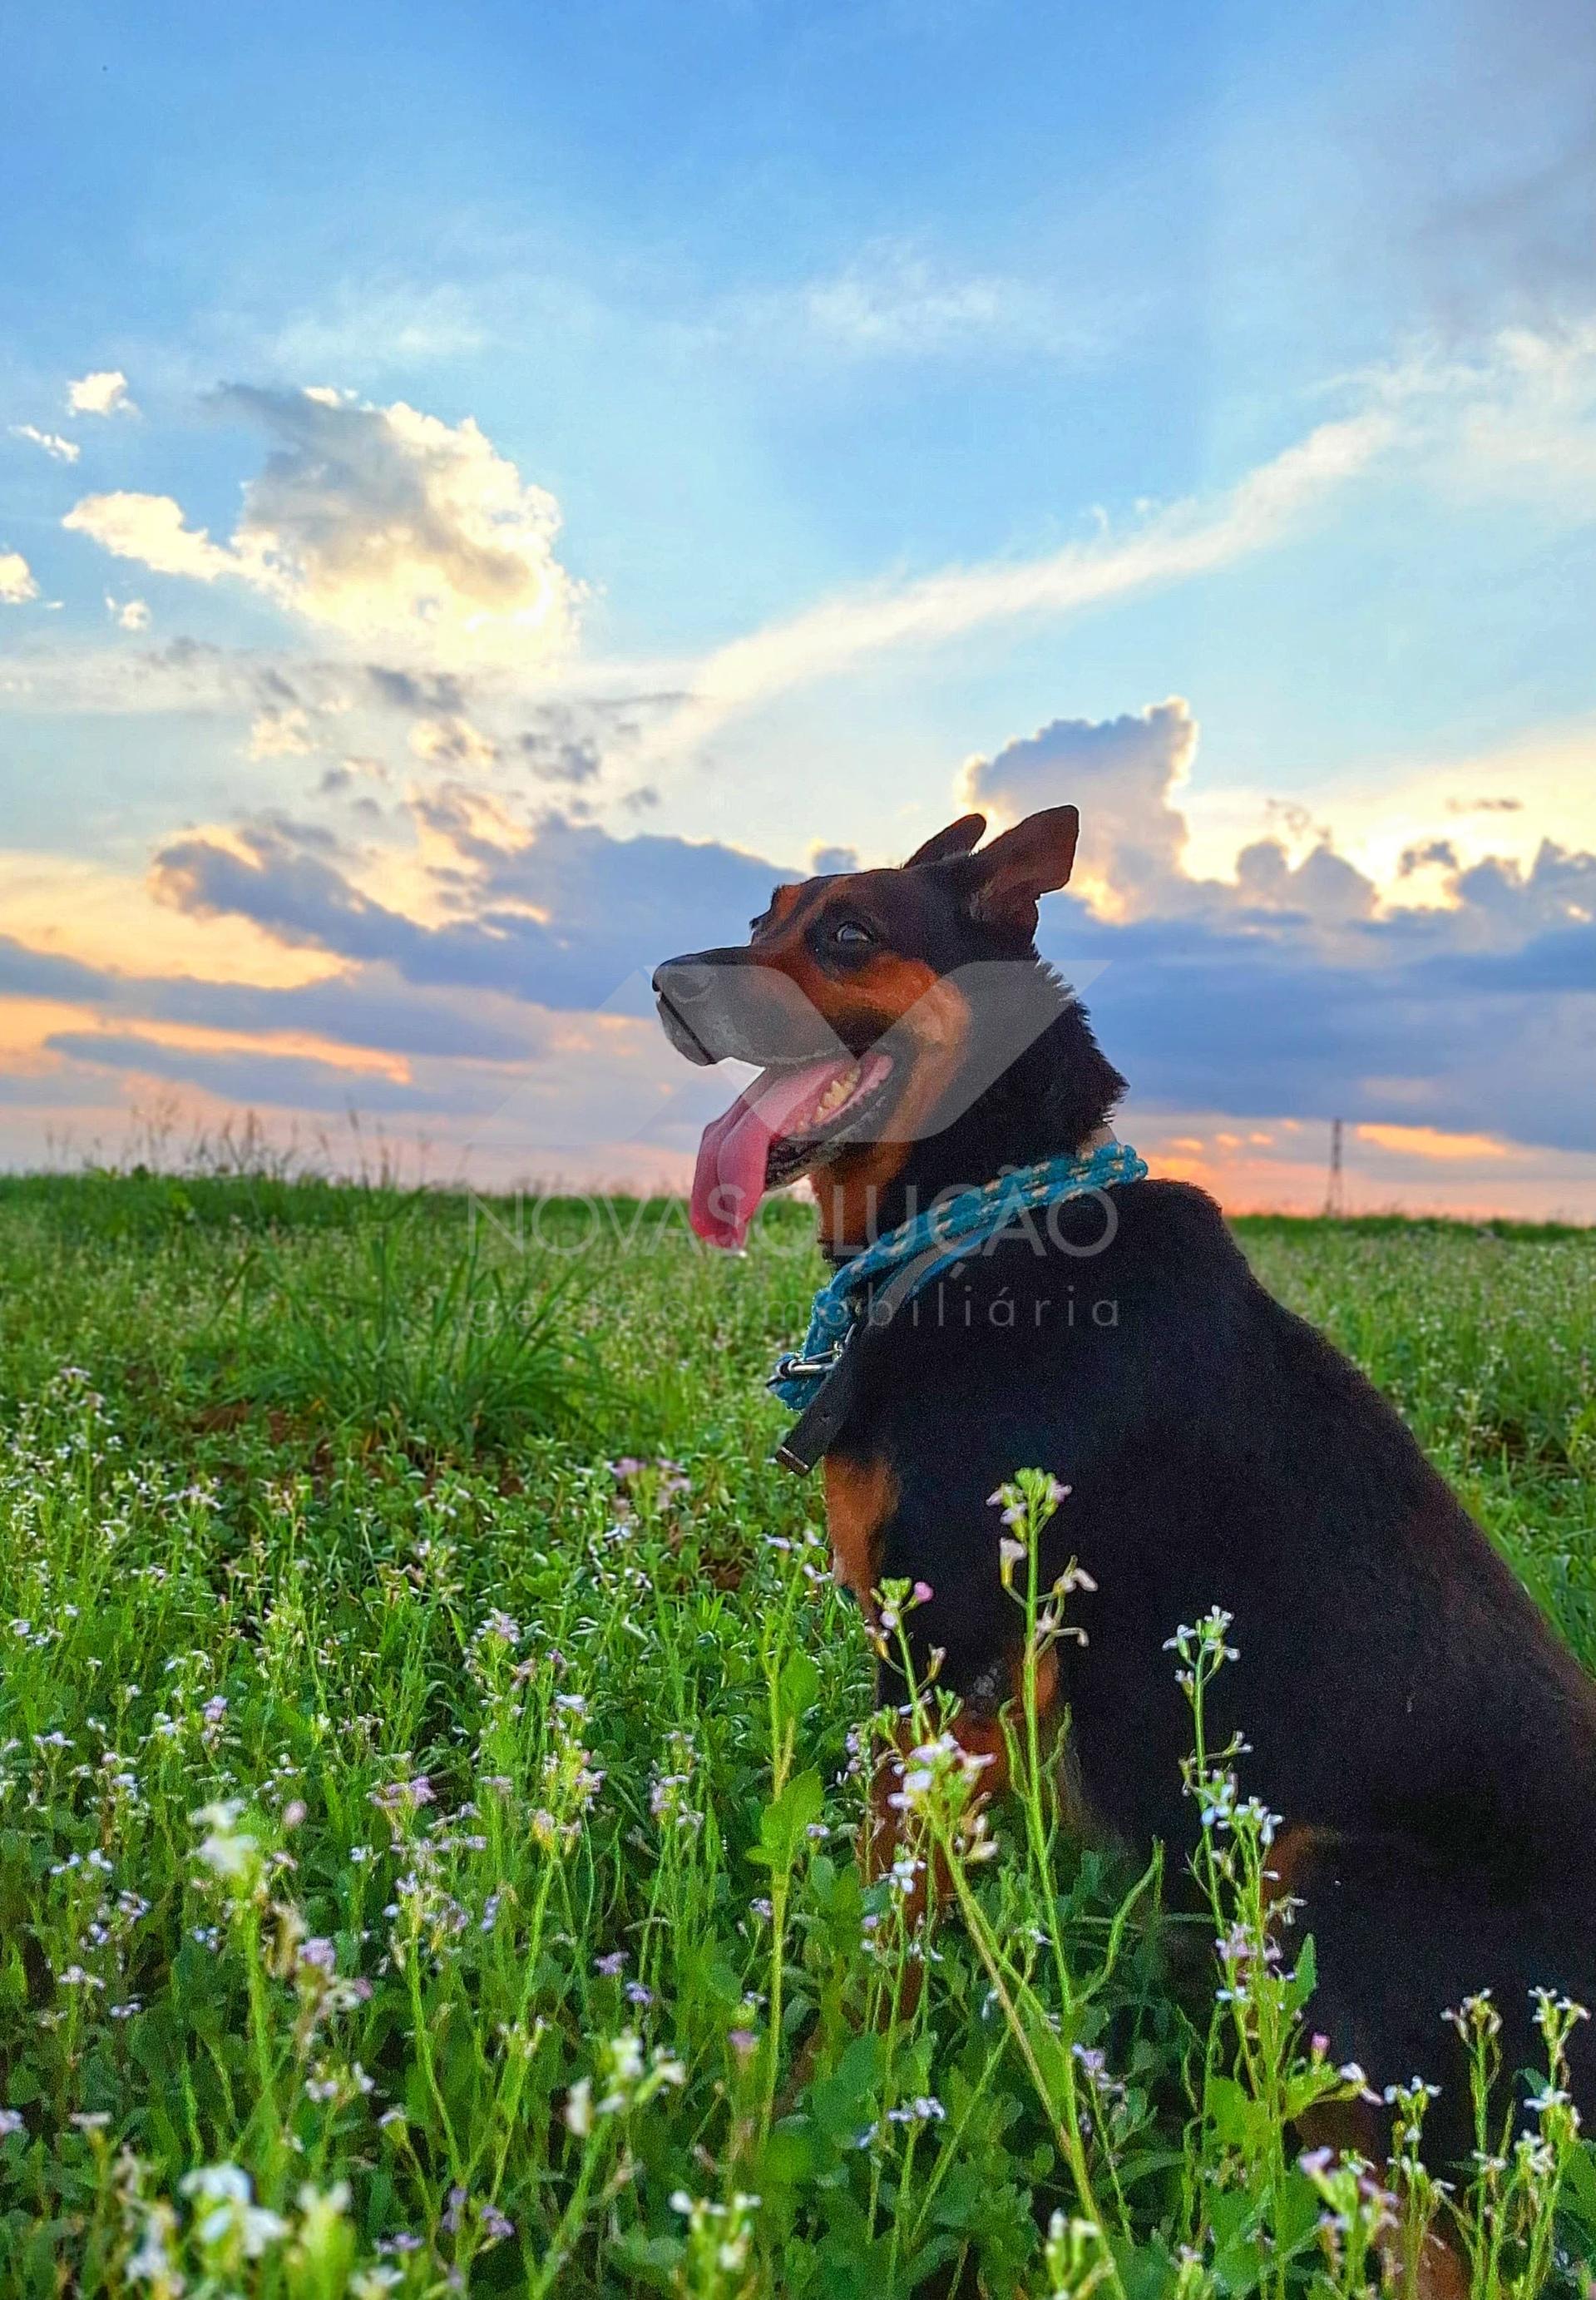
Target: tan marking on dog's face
point(879, 992)
point(930, 1039)
point(860, 1495)
point(781, 940)
point(867, 998)
point(784, 902)
point(790, 911)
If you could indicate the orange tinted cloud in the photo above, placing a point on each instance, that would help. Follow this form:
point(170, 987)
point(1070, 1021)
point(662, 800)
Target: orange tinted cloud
point(1431, 1142)
point(308, 1044)
point(27, 1024)
point(99, 916)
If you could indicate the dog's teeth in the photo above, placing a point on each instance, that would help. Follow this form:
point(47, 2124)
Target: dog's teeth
point(837, 1093)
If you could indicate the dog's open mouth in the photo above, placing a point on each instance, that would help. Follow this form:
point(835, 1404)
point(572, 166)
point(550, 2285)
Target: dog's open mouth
point(776, 1131)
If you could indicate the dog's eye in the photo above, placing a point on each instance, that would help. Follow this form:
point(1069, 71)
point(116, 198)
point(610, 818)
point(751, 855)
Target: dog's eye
point(849, 932)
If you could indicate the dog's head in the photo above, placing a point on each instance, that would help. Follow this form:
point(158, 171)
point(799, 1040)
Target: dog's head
point(853, 995)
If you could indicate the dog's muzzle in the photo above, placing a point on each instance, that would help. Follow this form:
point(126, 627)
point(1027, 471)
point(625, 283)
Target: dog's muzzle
point(681, 989)
point(720, 1005)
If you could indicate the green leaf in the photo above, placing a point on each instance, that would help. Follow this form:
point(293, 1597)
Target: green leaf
point(784, 1819)
point(1579, 2185)
point(793, 2152)
point(1297, 2214)
point(843, 2103)
point(653, 2259)
point(798, 1687)
point(1232, 2112)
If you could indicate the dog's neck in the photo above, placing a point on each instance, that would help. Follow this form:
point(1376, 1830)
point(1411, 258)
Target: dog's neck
point(1054, 1099)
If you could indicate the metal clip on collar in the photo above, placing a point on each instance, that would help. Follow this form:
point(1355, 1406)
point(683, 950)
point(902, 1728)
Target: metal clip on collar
point(820, 1423)
point(795, 1367)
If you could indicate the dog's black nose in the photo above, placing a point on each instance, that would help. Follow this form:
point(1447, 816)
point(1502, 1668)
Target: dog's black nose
point(683, 981)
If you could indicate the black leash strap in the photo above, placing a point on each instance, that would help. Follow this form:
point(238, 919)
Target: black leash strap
point(820, 1424)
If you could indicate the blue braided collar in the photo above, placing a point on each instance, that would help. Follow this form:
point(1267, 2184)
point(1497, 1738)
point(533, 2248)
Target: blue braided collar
point(919, 1252)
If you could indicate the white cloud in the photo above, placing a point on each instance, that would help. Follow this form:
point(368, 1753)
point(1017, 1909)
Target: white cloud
point(128, 614)
point(1137, 862)
point(1190, 538)
point(892, 302)
point(1122, 773)
point(1321, 885)
point(383, 524)
point(912, 313)
point(104, 392)
point(1515, 419)
point(1127, 777)
point(17, 585)
point(65, 451)
point(281, 733)
point(150, 529)
point(379, 520)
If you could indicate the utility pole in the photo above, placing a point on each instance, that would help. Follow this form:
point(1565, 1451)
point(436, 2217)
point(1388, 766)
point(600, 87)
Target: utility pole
point(1335, 1194)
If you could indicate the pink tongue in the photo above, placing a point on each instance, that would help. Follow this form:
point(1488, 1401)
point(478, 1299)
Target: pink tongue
point(729, 1179)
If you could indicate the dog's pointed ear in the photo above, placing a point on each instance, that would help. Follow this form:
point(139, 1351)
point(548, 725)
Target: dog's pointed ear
point(958, 838)
point(1011, 876)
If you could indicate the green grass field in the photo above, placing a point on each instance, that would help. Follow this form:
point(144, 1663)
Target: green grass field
point(430, 1759)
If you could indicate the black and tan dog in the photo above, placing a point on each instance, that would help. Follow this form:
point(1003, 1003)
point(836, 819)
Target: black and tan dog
point(1429, 1744)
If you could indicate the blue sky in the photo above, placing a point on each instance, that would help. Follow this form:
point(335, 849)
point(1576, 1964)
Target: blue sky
point(736, 424)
